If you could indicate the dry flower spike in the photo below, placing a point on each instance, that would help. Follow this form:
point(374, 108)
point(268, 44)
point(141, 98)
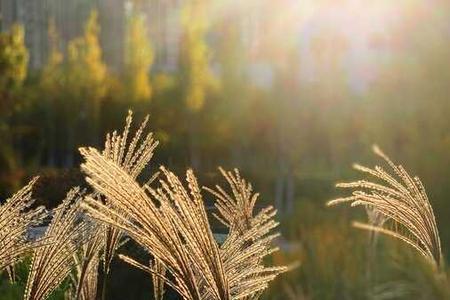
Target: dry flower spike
point(16, 218)
point(132, 156)
point(171, 223)
point(52, 262)
point(403, 201)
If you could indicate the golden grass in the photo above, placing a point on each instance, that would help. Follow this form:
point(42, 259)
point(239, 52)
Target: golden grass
point(52, 262)
point(167, 219)
point(16, 218)
point(398, 206)
point(250, 236)
point(158, 273)
point(171, 223)
point(87, 259)
point(132, 156)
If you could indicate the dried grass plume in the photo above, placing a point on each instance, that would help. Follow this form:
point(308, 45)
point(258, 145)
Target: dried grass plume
point(16, 218)
point(53, 262)
point(171, 223)
point(400, 205)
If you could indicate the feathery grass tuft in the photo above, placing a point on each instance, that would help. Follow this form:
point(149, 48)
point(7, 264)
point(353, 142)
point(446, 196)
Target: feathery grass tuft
point(16, 218)
point(399, 205)
point(132, 156)
point(158, 272)
point(171, 223)
point(87, 259)
point(250, 237)
point(52, 262)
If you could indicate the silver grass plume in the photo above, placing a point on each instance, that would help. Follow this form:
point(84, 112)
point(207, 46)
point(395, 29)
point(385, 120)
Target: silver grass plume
point(132, 156)
point(158, 271)
point(87, 258)
point(16, 218)
point(52, 262)
point(171, 223)
point(403, 201)
point(250, 237)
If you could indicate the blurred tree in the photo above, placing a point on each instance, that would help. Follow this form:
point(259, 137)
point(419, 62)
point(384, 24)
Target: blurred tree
point(286, 104)
point(233, 60)
point(51, 77)
point(87, 72)
point(86, 83)
point(13, 71)
point(13, 62)
point(196, 77)
point(51, 84)
point(287, 110)
point(139, 58)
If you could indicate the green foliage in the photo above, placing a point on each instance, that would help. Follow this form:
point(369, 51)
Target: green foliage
point(52, 72)
point(331, 257)
point(13, 71)
point(13, 58)
point(15, 290)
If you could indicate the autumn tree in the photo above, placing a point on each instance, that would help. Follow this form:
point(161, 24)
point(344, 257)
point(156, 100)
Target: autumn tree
point(13, 71)
point(52, 91)
point(86, 68)
point(196, 77)
point(86, 80)
point(233, 59)
point(139, 58)
point(13, 59)
point(51, 76)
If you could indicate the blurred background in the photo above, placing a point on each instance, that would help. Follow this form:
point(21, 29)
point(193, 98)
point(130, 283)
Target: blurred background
point(290, 92)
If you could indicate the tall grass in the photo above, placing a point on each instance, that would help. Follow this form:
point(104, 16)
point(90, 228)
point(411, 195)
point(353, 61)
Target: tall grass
point(53, 262)
point(171, 223)
point(401, 200)
point(87, 259)
point(398, 206)
point(132, 156)
point(16, 218)
point(168, 218)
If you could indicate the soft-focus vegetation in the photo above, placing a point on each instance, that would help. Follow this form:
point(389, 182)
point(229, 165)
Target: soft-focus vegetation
point(282, 104)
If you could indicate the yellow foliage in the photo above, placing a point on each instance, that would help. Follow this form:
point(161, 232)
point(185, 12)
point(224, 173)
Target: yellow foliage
point(139, 59)
point(52, 71)
point(86, 68)
point(13, 57)
point(198, 76)
point(163, 82)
